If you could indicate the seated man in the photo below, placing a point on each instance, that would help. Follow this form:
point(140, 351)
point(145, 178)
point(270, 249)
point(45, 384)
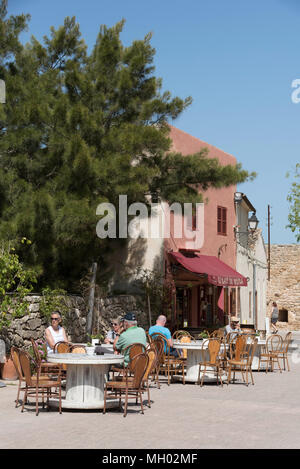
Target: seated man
point(161, 329)
point(234, 326)
point(131, 335)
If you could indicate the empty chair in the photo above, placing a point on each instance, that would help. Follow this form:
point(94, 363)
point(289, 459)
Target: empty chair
point(242, 361)
point(43, 366)
point(37, 385)
point(212, 363)
point(283, 353)
point(274, 346)
point(14, 352)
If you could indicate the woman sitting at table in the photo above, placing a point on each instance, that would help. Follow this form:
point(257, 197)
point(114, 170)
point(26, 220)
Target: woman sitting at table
point(114, 332)
point(55, 333)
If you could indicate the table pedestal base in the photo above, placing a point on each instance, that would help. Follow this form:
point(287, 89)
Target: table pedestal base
point(85, 388)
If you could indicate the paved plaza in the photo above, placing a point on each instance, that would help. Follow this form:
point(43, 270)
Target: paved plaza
point(266, 415)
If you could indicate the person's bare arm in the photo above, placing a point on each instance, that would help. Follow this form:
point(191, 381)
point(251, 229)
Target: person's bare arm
point(65, 335)
point(49, 339)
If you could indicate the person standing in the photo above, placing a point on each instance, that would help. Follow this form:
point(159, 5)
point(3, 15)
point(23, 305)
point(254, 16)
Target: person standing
point(274, 317)
point(55, 333)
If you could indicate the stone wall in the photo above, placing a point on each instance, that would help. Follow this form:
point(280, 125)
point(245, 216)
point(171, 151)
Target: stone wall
point(105, 309)
point(34, 324)
point(284, 285)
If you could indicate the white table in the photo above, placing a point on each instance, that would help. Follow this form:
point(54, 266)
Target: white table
point(86, 376)
point(259, 348)
point(194, 357)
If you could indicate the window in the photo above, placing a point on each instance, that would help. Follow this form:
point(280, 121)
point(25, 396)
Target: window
point(222, 221)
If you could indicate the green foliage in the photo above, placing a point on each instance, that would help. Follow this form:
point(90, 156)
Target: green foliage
point(79, 129)
point(155, 291)
point(294, 201)
point(15, 283)
point(53, 300)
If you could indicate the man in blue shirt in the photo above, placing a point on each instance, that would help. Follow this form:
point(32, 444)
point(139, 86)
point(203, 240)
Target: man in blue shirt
point(161, 329)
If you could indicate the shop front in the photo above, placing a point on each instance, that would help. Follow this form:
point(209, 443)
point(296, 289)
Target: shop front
point(205, 291)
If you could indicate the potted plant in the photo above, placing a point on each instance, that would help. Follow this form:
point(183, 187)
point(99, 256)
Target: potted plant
point(97, 339)
point(203, 335)
point(90, 349)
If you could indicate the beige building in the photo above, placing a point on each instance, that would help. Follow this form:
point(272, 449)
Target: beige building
point(284, 284)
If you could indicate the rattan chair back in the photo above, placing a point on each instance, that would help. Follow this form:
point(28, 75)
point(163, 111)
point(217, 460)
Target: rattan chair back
point(152, 356)
point(37, 356)
point(62, 347)
point(156, 336)
point(185, 340)
point(24, 359)
point(78, 349)
point(159, 344)
point(177, 335)
point(139, 369)
point(286, 342)
point(238, 346)
point(14, 352)
point(218, 334)
point(274, 343)
point(212, 345)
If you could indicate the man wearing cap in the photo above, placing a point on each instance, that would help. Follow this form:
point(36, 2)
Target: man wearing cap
point(234, 326)
point(131, 335)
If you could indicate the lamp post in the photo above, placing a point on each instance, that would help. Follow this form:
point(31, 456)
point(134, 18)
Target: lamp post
point(252, 227)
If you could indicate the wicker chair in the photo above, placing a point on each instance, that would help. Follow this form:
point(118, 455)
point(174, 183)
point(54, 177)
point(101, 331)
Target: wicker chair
point(178, 334)
point(217, 334)
point(274, 346)
point(43, 367)
point(78, 349)
point(283, 353)
point(37, 385)
point(170, 364)
point(152, 355)
point(130, 388)
point(133, 350)
point(14, 352)
point(159, 347)
point(242, 362)
point(212, 347)
point(62, 347)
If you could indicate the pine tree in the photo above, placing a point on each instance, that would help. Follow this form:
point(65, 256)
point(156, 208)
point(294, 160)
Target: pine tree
point(79, 129)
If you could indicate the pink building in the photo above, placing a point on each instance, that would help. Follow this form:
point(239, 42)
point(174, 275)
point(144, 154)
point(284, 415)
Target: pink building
point(203, 273)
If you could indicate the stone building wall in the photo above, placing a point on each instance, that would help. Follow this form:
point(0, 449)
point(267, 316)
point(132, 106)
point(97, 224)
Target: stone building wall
point(105, 309)
point(284, 285)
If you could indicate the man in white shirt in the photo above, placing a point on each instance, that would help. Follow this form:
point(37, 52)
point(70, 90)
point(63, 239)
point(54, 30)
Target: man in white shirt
point(234, 326)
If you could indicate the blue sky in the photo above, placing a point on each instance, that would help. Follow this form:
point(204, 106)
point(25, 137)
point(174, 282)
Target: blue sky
point(237, 60)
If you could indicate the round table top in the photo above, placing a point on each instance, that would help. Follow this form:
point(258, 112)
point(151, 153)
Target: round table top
point(197, 344)
point(194, 344)
point(84, 359)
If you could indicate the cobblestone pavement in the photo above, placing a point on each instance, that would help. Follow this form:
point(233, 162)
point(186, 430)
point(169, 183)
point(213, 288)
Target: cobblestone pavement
point(266, 415)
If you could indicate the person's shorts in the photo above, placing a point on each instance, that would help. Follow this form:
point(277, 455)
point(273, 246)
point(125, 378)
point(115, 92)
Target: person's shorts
point(274, 320)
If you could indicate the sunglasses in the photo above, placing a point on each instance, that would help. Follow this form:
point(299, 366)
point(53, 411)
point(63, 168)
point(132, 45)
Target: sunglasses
point(114, 324)
point(54, 319)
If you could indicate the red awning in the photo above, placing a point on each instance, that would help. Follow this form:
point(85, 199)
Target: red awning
point(218, 272)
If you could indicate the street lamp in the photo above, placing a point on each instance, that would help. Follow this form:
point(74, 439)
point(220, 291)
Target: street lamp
point(251, 228)
point(252, 222)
